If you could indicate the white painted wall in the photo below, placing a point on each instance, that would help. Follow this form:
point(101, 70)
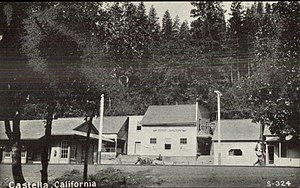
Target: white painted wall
point(248, 148)
point(8, 160)
point(169, 135)
point(133, 134)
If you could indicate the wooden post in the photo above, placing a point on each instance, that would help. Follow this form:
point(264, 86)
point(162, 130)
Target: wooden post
point(87, 145)
point(100, 129)
point(219, 94)
point(116, 145)
point(267, 155)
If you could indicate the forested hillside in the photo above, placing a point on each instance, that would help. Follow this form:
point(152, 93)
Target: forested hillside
point(59, 57)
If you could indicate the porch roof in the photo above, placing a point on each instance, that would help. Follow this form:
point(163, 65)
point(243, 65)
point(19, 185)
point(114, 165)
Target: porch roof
point(277, 138)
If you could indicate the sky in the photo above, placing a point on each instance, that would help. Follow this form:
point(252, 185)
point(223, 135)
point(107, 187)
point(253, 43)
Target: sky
point(182, 9)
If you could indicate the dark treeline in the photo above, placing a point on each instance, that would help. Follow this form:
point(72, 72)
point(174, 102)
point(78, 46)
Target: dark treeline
point(79, 50)
point(57, 58)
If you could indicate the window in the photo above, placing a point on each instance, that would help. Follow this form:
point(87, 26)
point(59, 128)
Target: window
point(23, 154)
point(235, 152)
point(167, 146)
point(7, 153)
point(73, 150)
point(64, 149)
point(183, 140)
point(283, 150)
point(152, 140)
point(139, 128)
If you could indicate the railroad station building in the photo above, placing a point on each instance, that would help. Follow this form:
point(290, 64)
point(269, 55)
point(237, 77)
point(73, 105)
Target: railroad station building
point(67, 142)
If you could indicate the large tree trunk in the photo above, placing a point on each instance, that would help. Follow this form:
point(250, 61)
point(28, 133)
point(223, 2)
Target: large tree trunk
point(87, 143)
point(45, 146)
point(15, 140)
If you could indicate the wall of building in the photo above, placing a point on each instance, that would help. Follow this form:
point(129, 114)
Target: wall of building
point(76, 151)
point(292, 158)
point(169, 135)
point(134, 135)
point(248, 156)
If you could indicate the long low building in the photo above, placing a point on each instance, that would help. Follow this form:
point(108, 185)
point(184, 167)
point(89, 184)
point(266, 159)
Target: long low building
point(67, 140)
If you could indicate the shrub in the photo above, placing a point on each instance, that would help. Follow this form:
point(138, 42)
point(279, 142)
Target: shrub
point(111, 177)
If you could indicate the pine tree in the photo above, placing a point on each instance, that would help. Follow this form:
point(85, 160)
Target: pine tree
point(142, 36)
point(184, 33)
point(209, 28)
point(154, 27)
point(267, 42)
point(236, 38)
point(167, 26)
point(235, 30)
point(176, 26)
point(260, 8)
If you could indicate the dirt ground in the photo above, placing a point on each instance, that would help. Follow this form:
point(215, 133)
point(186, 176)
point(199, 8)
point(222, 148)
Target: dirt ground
point(181, 176)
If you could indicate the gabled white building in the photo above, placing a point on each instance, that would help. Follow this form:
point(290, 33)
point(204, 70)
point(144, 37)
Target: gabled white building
point(238, 141)
point(168, 130)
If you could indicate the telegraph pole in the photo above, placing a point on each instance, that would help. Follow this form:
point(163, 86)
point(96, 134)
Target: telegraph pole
point(219, 94)
point(100, 129)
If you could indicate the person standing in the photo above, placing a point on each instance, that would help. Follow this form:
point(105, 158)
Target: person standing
point(259, 154)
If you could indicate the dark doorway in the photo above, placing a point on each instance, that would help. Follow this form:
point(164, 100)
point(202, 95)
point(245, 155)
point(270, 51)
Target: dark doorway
point(204, 146)
point(271, 154)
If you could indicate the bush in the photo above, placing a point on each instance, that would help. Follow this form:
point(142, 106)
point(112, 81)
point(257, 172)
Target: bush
point(73, 175)
point(111, 177)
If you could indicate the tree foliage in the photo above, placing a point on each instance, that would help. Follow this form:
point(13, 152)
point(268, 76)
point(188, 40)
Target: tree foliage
point(120, 50)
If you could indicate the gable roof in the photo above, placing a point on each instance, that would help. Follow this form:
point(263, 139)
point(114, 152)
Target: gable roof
point(30, 129)
point(84, 128)
point(267, 132)
point(111, 124)
point(170, 115)
point(34, 129)
point(65, 126)
point(238, 130)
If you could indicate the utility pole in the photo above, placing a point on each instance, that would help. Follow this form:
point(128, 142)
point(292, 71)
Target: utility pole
point(219, 94)
point(100, 129)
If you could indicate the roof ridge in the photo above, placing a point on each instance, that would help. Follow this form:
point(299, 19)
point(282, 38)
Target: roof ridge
point(174, 105)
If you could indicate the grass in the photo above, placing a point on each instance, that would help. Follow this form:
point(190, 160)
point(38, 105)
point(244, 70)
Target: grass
point(164, 176)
